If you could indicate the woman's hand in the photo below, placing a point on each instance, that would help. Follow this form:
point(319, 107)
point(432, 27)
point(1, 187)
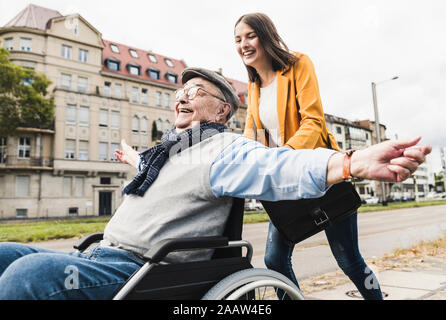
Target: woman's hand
point(127, 154)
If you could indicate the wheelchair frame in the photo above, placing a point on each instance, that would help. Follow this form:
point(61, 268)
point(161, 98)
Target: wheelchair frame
point(227, 272)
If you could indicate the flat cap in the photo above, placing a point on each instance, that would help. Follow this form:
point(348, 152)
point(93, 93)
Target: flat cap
point(221, 83)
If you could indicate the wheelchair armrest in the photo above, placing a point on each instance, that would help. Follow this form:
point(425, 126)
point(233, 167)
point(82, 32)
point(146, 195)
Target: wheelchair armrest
point(87, 240)
point(164, 247)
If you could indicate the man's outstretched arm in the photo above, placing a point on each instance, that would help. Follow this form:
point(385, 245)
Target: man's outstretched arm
point(248, 169)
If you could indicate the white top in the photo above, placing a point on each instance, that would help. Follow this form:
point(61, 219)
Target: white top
point(268, 113)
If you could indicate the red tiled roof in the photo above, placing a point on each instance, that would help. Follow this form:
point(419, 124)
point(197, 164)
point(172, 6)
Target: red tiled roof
point(124, 57)
point(143, 61)
point(33, 17)
point(240, 87)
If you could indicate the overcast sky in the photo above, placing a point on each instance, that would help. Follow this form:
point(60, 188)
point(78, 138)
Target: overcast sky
point(351, 43)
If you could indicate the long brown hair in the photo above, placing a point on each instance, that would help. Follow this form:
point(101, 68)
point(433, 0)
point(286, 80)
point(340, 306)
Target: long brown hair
point(273, 44)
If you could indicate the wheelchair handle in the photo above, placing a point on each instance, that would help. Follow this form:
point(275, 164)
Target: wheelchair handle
point(160, 250)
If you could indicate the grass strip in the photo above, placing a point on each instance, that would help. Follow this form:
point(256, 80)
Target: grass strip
point(44, 230)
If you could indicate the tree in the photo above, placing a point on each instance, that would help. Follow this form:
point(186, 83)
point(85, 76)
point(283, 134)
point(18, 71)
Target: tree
point(23, 99)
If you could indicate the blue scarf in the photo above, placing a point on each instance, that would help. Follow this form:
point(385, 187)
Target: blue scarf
point(154, 158)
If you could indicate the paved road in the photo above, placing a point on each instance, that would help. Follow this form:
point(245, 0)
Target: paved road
point(379, 233)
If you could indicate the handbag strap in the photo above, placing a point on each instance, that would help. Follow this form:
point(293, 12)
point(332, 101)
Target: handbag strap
point(254, 127)
point(329, 142)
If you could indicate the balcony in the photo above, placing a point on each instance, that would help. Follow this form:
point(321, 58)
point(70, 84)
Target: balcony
point(14, 162)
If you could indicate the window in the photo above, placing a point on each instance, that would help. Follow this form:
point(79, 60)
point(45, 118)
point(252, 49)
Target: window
point(25, 44)
point(9, 44)
point(66, 52)
point(83, 55)
point(135, 93)
point(118, 90)
point(107, 89)
point(21, 213)
point(113, 147)
point(172, 78)
point(115, 120)
point(105, 180)
point(166, 125)
point(79, 187)
point(3, 145)
point(134, 70)
point(144, 96)
point(70, 148)
point(84, 118)
point(22, 186)
point(341, 145)
point(167, 100)
point(154, 74)
point(144, 125)
point(338, 130)
point(169, 62)
point(65, 81)
point(103, 118)
point(114, 48)
point(103, 151)
point(73, 211)
point(83, 150)
point(24, 147)
point(133, 53)
point(158, 98)
point(67, 186)
point(152, 58)
point(82, 84)
point(113, 65)
point(70, 114)
point(160, 125)
point(135, 124)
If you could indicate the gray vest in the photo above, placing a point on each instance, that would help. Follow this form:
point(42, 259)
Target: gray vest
point(180, 203)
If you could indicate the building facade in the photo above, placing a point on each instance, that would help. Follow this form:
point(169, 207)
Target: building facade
point(104, 92)
point(351, 135)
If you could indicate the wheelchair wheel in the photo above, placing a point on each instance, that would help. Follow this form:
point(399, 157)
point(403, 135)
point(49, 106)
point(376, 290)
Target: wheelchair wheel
point(254, 284)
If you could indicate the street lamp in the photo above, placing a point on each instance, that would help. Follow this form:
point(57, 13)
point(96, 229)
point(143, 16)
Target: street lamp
point(378, 129)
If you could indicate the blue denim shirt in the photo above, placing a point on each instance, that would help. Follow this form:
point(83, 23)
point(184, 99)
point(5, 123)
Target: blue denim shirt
point(248, 169)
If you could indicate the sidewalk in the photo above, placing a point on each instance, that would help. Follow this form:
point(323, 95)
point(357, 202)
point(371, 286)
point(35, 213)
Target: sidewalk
point(405, 278)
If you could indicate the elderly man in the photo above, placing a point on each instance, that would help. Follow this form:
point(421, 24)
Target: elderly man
point(184, 188)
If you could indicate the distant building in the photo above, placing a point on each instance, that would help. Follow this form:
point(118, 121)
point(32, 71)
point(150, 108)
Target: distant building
point(351, 135)
point(104, 91)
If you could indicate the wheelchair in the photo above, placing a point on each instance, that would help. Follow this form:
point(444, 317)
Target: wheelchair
point(229, 275)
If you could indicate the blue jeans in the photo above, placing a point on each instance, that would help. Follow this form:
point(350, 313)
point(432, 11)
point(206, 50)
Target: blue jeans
point(343, 240)
point(28, 272)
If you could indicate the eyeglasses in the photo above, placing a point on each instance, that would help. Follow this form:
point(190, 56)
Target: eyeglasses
point(191, 93)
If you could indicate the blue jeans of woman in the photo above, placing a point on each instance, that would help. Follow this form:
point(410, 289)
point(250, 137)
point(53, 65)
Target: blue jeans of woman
point(28, 272)
point(343, 240)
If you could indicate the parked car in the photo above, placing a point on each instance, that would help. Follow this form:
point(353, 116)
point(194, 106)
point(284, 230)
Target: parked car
point(253, 205)
point(371, 200)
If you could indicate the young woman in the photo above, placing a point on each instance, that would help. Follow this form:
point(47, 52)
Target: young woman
point(285, 110)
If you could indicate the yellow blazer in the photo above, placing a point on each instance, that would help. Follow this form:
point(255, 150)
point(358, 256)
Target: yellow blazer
point(299, 109)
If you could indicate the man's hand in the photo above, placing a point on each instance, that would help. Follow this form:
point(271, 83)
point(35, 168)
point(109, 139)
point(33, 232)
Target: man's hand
point(127, 154)
point(389, 161)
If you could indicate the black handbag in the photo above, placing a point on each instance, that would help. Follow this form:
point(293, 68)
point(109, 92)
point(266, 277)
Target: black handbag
point(298, 220)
